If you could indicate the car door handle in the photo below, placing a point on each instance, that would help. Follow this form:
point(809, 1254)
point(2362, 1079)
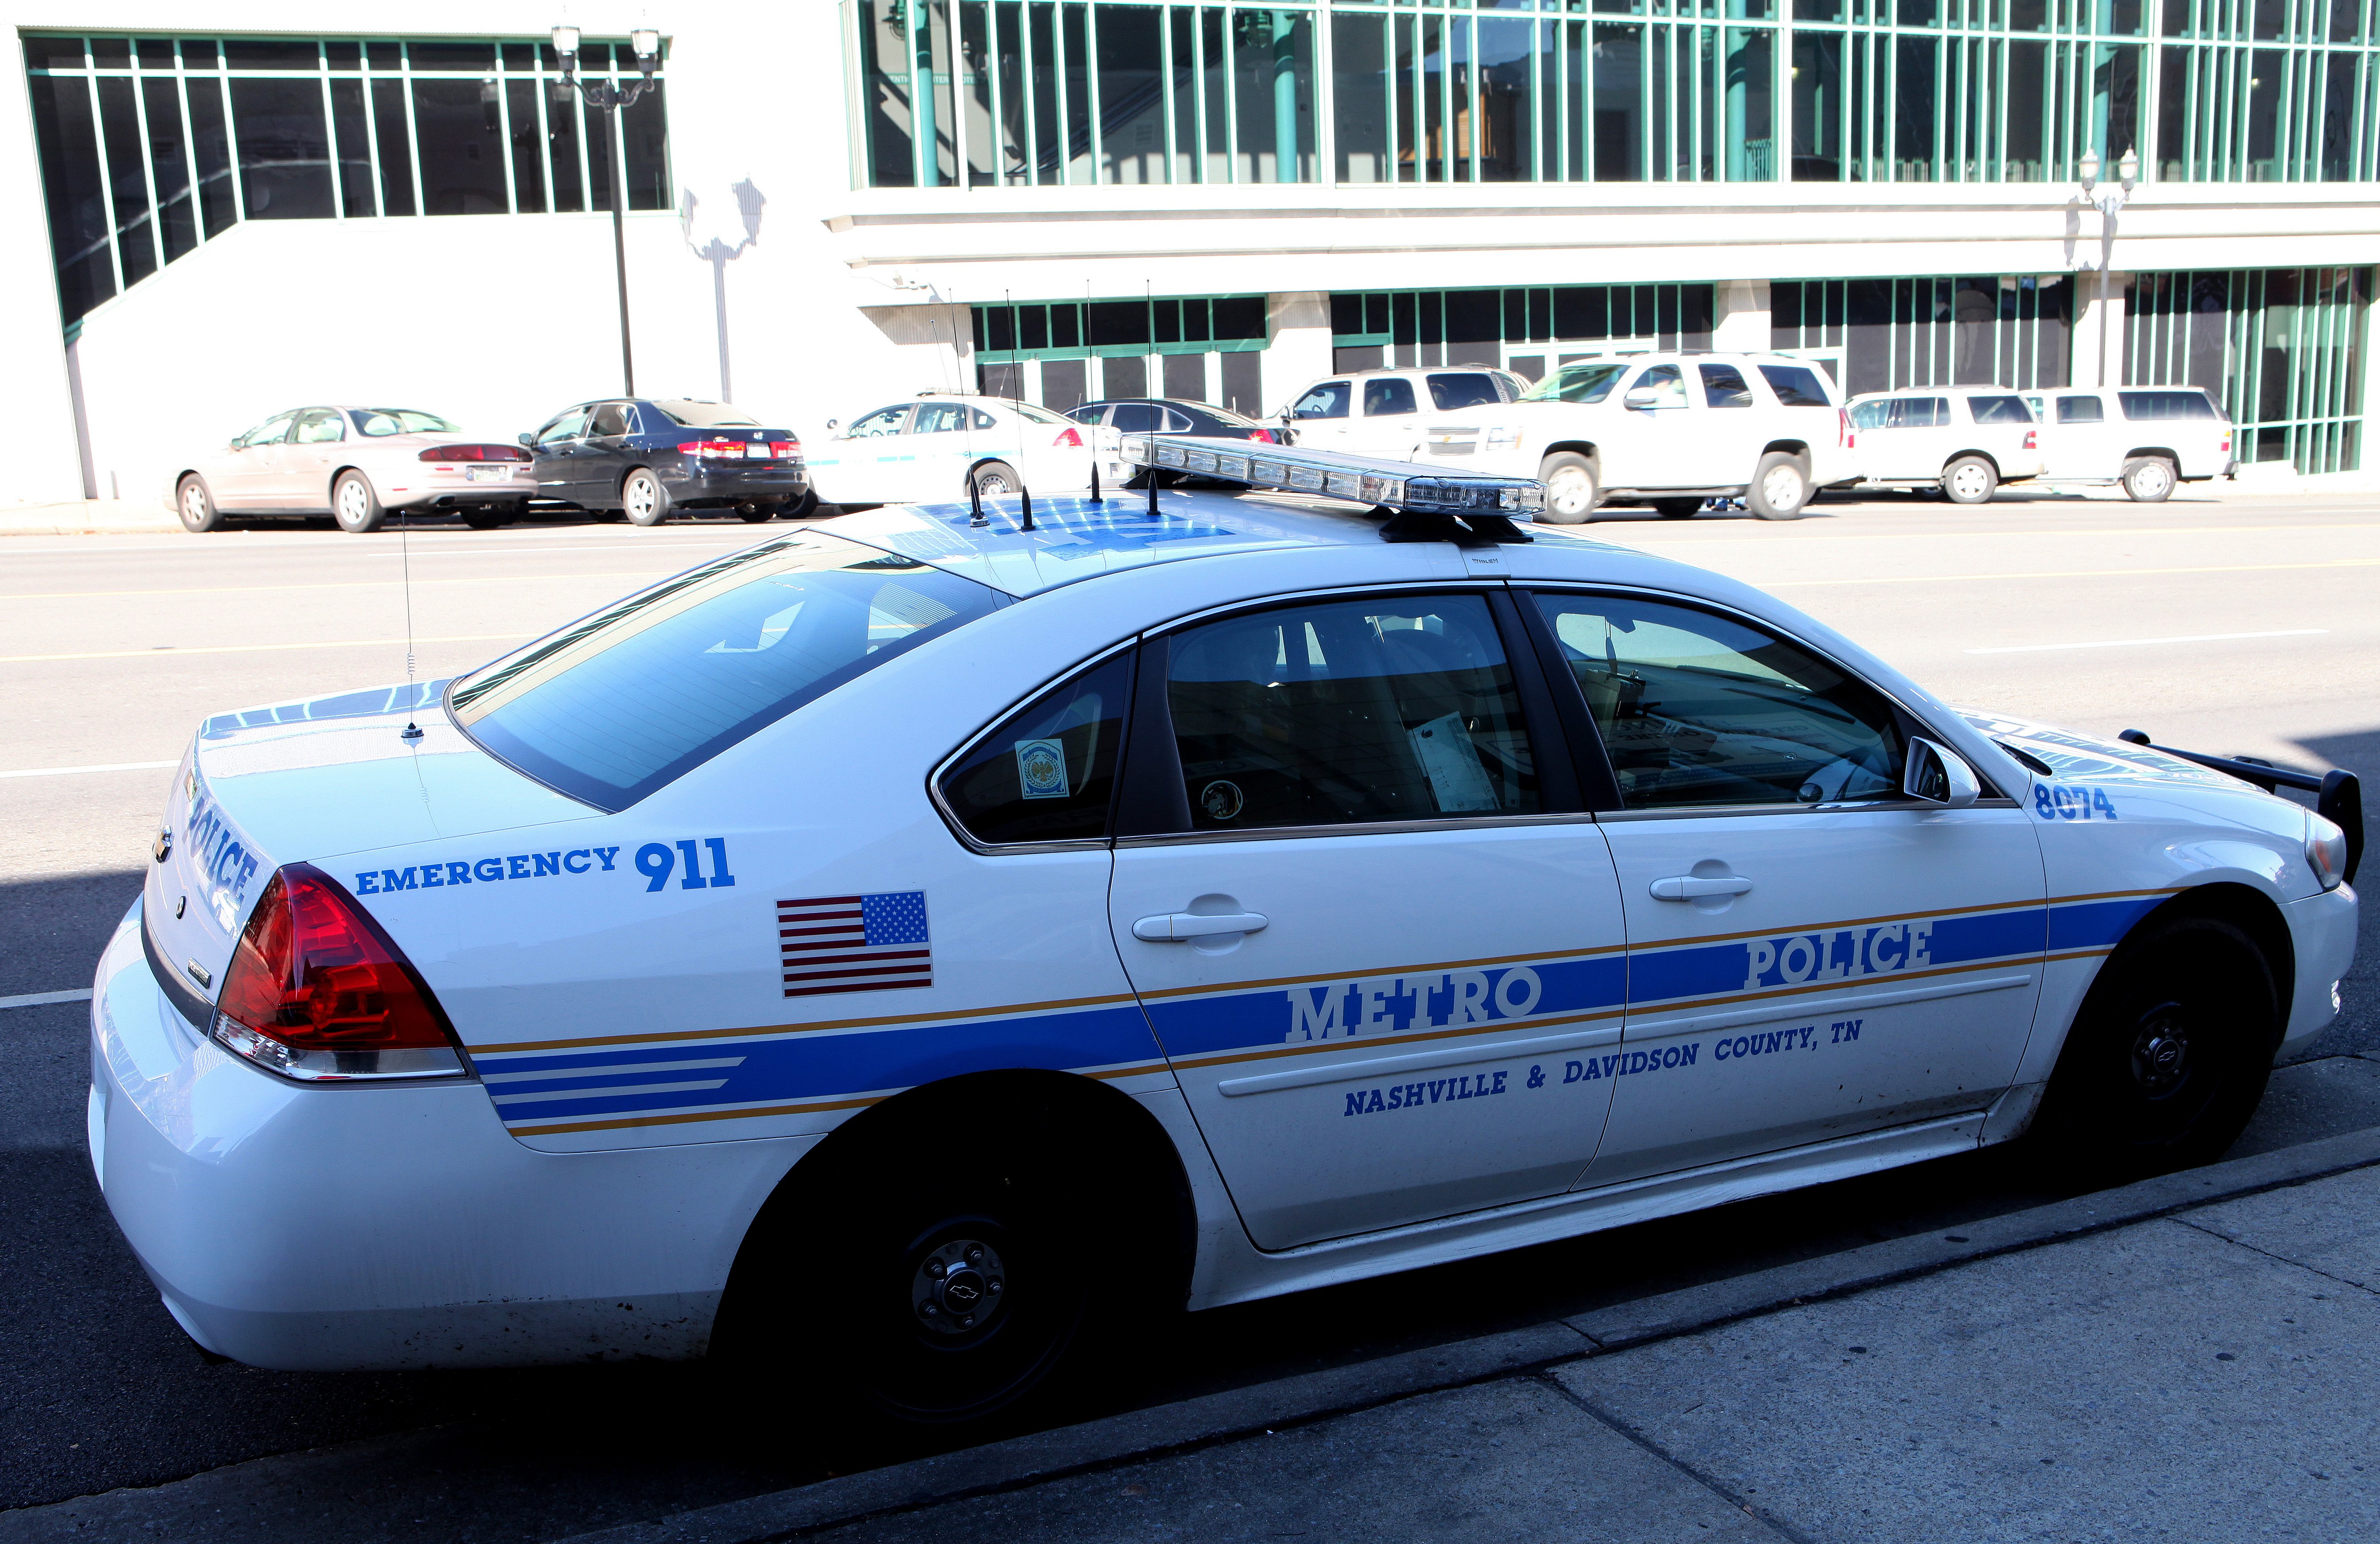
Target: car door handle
point(1687, 887)
point(1180, 927)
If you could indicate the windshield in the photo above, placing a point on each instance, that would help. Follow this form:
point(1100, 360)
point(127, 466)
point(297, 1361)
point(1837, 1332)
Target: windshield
point(704, 415)
point(377, 422)
point(1589, 381)
point(637, 695)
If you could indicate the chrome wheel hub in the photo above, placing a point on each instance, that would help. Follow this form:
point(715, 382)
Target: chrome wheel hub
point(1968, 482)
point(2160, 1054)
point(1569, 490)
point(1781, 488)
point(959, 1287)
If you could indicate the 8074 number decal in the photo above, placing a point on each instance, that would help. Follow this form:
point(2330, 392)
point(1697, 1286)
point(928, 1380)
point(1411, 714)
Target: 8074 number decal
point(2059, 804)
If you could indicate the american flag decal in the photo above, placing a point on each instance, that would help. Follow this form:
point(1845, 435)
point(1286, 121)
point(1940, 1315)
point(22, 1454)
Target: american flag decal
point(855, 944)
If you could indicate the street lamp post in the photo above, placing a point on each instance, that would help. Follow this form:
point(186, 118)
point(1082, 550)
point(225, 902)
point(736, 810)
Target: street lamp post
point(2110, 202)
point(609, 99)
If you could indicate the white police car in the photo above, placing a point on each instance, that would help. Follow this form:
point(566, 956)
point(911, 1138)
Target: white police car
point(898, 950)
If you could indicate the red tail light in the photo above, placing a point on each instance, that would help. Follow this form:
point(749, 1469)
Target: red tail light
point(315, 990)
point(1261, 436)
point(2227, 443)
point(476, 452)
point(739, 450)
point(1069, 437)
point(2033, 439)
point(1843, 436)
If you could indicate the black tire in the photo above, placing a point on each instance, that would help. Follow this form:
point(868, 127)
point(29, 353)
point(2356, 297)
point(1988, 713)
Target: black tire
point(2148, 478)
point(353, 504)
point(803, 507)
point(994, 478)
point(196, 505)
point(1779, 487)
point(754, 514)
point(2167, 1059)
point(1970, 480)
point(1678, 510)
point(644, 497)
point(1573, 489)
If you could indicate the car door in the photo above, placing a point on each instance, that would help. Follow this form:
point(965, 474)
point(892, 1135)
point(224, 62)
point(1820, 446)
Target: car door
point(1367, 931)
point(1656, 440)
point(605, 454)
point(1734, 426)
point(557, 447)
point(1319, 417)
point(313, 453)
point(1390, 422)
point(858, 466)
point(1872, 439)
point(1812, 955)
point(246, 480)
point(2082, 444)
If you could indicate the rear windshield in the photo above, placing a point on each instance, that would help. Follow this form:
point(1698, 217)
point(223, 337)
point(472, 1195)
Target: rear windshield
point(377, 422)
point(704, 415)
point(1999, 409)
point(2139, 405)
point(1590, 381)
point(617, 706)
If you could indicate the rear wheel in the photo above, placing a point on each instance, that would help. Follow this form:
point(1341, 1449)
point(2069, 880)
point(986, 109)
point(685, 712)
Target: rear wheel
point(642, 495)
point(355, 505)
point(1781, 487)
point(2168, 1056)
point(803, 507)
point(753, 514)
point(1572, 490)
point(1678, 510)
point(1970, 480)
point(995, 478)
point(195, 505)
point(2148, 478)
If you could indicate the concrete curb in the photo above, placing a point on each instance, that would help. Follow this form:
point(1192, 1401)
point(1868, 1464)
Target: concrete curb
point(88, 517)
point(1142, 1435)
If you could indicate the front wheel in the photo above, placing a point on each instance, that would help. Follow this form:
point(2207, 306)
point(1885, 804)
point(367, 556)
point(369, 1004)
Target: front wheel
point(642, 495)
point(197, 506)
point(994, 478)
point(355, 505)
point(2148, 478)
point(1678, 510)
point(1781, 487)
point(2167, 1059)
point(1970, 480)
point(1572, 490)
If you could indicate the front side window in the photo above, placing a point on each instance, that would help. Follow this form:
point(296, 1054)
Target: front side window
point(1327, 400)
point(1384, 398)
point(1046, 774)
point(1089, 412)
point(1702, 709)
point(1869, 415)
point(1470, 389)
point(2080, 409)
point(374, 423)
point(1667, 386)
point(1354, 711)
point(320, 427)
point(1795, 385)
point(1999, 410)
point(567, 427)
point(617, 706)
point(939, 418)
point(1724, 386)
point(884, 421)
point(271, 432)
point(1589, 382)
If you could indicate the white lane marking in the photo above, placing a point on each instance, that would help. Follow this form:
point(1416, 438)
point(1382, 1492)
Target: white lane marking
point(561, 547)
point(175, 653)
point(69, 771)
point(36, 999)
point(2132, 642)
point(2078, 573)
point(328, 584)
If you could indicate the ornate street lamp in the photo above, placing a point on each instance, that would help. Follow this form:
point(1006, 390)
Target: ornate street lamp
point(609, 99)
point(2110, 202)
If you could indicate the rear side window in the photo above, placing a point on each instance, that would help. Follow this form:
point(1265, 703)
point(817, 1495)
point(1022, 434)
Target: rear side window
point(1046, 774)
point(1470, 389)
point(1724, 386)
point(1381, 397)
point(2152, 405)
point(1135, 418)
point(1795, 386)
point(612, 418)
point(2079, 409)
point(642, 693)
point(1327, 400)
point(1919, 412)
point(1999, 410)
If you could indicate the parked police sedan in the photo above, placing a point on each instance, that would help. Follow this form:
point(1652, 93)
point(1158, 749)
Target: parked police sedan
point(356, 465)
point(652, 457)
point(900, 954)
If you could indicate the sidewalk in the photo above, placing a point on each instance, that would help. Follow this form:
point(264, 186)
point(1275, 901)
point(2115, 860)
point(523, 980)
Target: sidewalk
point(88, 517)
point(2206, 1374)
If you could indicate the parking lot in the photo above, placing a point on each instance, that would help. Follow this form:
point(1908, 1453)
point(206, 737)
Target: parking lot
point(2226, 624)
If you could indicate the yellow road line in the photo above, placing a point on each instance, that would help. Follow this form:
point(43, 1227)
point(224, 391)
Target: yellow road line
point(170, 653)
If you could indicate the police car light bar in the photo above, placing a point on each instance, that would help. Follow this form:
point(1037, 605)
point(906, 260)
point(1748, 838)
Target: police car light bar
point(1488, 504)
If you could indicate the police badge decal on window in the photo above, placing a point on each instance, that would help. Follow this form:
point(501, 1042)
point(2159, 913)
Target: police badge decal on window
point(1041, 769)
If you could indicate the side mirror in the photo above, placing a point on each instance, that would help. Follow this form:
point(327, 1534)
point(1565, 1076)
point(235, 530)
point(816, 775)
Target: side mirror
point(529, 440)
point(833, 424)
point(1939, 775)
point(1641, 398)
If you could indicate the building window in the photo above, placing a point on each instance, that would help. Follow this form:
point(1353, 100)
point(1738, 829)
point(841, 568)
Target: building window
point(1881, 334)
point(1528, 332)
point(2280, 348)
point(1064, 353)
point(151, 147)
point(1038, 92)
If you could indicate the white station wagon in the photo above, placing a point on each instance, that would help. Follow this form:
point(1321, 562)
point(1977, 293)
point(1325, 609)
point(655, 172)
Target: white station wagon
point(907, 953)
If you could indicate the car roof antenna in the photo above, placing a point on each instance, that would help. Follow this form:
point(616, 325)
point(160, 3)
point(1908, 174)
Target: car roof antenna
point(974, 502)
point(1151, 475)
point(1025, 507)
point(405, 550)
point(1095, 475)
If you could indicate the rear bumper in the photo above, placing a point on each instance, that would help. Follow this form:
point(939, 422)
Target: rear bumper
point(454, 493)
point(730, 483)
point(297, 1227)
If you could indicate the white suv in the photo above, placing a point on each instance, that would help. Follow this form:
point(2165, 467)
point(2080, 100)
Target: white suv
point(1669, 430)
point(1386, 412)
point(1966, 441)
point(2147, 438)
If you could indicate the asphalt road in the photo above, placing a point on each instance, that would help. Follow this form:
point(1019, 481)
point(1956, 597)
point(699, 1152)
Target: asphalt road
point(2232, 625)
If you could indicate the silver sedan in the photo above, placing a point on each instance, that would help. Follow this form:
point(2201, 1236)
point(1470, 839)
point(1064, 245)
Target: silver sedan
point(356, 465)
